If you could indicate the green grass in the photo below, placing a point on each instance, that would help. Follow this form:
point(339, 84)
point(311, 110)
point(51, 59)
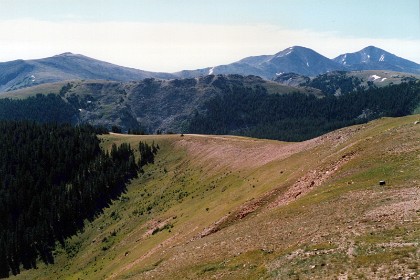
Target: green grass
point(307, 238)
point(386, 257)
point(32, 91)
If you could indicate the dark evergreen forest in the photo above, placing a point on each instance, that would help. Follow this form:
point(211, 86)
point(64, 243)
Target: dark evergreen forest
point(40, 108)
point(329, 83)
point(298, 117)
point(52, 178)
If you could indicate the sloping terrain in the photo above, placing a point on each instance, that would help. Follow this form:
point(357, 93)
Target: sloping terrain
point(307, 62)
point(20, 74)
point(373, 58)
point(295, 59)
point(240, 208)
point(342, 82)
point(67, 66)
point(151, 103)
point(219, 104)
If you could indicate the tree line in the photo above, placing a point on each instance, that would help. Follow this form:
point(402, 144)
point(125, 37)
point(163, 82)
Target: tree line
point(52, 178)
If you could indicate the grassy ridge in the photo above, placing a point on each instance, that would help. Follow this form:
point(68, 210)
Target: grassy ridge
point(244, 189)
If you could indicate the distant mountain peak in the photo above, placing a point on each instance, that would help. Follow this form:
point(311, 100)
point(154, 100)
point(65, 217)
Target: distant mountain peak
point(372, 48)
point(374, 54)
point(66, 66)
point(374, 58)
point(294, 49)
point(66, 54)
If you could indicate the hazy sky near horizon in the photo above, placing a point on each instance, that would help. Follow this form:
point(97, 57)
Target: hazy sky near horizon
point(172, 35)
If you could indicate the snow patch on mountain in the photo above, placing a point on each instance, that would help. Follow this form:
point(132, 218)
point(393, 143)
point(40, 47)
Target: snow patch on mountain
point(343, 60)
point(382, 58)
point(366, 58)
point(374, 77)
point(289, 51)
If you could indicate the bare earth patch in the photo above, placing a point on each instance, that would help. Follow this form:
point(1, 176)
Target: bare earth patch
point(239, 152)
point(402, 205)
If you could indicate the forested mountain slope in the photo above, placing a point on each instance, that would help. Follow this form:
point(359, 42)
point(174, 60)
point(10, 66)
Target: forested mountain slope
point(54, 177)
point(297, 117)
point(233, 104)
point(150, 104)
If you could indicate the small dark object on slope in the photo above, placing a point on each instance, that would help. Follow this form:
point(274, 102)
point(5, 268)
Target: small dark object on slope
point(382, 183)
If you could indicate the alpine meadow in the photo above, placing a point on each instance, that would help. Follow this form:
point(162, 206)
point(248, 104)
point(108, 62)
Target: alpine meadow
point(240, 140)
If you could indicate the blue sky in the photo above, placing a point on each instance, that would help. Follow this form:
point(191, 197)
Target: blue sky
point(184, 34)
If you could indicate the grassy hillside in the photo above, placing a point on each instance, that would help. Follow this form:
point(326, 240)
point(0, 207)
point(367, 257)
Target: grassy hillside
point(32, 91)
point(239, 208)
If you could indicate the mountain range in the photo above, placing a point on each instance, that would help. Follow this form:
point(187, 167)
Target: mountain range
point(304, 61)
point(67, 66)
point(300, 60)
